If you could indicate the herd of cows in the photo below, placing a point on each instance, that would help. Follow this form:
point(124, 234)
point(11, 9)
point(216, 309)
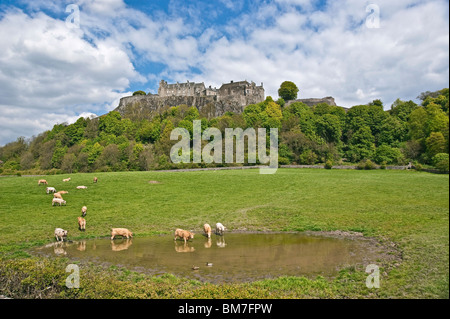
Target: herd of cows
point(61, 234)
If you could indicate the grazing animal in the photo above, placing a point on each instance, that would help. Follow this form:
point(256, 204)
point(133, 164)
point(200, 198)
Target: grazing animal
point(184, 234)
point(63, 192)
point(66, 179)
point(83, 211)
point(60, 234)
point(207, 230)
point(95, 179)
point(81, 223)
point(220, 229)
point(121, 232)
point(58, 201)
point(42, 181)
point(81, 187)
point(50, 190)
point(57, 195)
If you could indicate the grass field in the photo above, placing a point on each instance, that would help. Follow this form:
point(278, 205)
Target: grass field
point(405, 207)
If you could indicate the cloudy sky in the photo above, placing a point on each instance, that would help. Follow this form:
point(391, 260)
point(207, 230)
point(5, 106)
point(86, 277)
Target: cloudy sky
point(60, 60)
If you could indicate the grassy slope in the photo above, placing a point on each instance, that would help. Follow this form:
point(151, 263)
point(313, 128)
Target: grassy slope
point(409, 208)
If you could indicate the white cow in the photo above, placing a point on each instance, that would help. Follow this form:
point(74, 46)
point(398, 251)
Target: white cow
point(60, 234)
point(220, 229)
point(51, 190)
point(58, 201)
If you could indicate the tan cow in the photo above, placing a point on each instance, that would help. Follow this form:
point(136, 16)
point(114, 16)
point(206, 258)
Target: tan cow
point(81, 187)
point(82, 223)
point(42, 181)
point(95, 179)
point(207, 230)
point(57, 195)
point(184, 234)
point(121, 232)
point(63, 192)
point(83, 211)
point(66, 179)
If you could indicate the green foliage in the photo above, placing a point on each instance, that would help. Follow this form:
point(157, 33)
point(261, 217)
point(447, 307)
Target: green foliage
point(307, 135)
point(328, 164)
point(139, 93)
point(441, 162)
point(288, 91)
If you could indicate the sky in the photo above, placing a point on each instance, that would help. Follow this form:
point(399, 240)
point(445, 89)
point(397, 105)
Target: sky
point(63, 59)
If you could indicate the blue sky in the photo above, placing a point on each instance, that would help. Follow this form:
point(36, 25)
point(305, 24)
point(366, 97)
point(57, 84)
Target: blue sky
point(51, 72)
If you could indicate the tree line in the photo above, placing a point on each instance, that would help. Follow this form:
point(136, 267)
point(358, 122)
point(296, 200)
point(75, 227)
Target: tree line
point(407, 132)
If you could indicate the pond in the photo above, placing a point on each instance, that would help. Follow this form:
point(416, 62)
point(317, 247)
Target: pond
point(234, 257)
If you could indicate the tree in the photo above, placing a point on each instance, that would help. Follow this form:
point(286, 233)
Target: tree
point(139, 93)
point(435, 144)
point(288, 91)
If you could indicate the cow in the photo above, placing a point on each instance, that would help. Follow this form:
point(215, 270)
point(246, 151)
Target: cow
point(50, 190)
point(83, 211)
point(66, 180)
point(42, 181)
point(220, 229)
point(95, 179)
point(63, 192)
point(207, 230)
point(60, 234)
point(81, 187)
point(58, 201)
point(57, 195)
point(81, 223)
point(184, 234)
point(121, 232)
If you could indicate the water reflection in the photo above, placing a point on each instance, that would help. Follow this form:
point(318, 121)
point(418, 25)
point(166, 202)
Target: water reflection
point(120, 245)
point(236, 256)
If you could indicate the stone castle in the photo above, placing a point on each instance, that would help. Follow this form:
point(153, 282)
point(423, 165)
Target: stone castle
point(213, 102)
point(210, 102)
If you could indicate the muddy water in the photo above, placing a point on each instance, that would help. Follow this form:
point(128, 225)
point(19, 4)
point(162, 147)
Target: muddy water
point(235, 257)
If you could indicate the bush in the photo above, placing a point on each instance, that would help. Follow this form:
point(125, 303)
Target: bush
point(328, 164)
point(366, 165)
point(383, 165)
point(441, 162)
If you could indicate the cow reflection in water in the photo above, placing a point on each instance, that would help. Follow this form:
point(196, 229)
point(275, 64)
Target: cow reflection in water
point(208, 243)
point(221, 242)
point(183, 248)
point(81, 245)
point(59, 248)
point(121, 245)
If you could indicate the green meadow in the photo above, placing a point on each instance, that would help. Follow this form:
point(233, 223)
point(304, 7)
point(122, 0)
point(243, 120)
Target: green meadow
point(407, 209)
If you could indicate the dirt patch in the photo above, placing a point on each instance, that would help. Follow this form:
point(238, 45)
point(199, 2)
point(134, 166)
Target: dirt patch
point(389, 253)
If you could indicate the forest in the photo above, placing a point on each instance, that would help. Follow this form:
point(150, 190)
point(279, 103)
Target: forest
point(406, 132)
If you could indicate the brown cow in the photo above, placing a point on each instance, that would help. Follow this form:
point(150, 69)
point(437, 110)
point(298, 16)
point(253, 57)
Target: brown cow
point(57, 195)
point(82, 223)
point(121, 232)
point(207, 230)
point(42, 181)
point(63, 192)
point(95, 179)
point(184, 234)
